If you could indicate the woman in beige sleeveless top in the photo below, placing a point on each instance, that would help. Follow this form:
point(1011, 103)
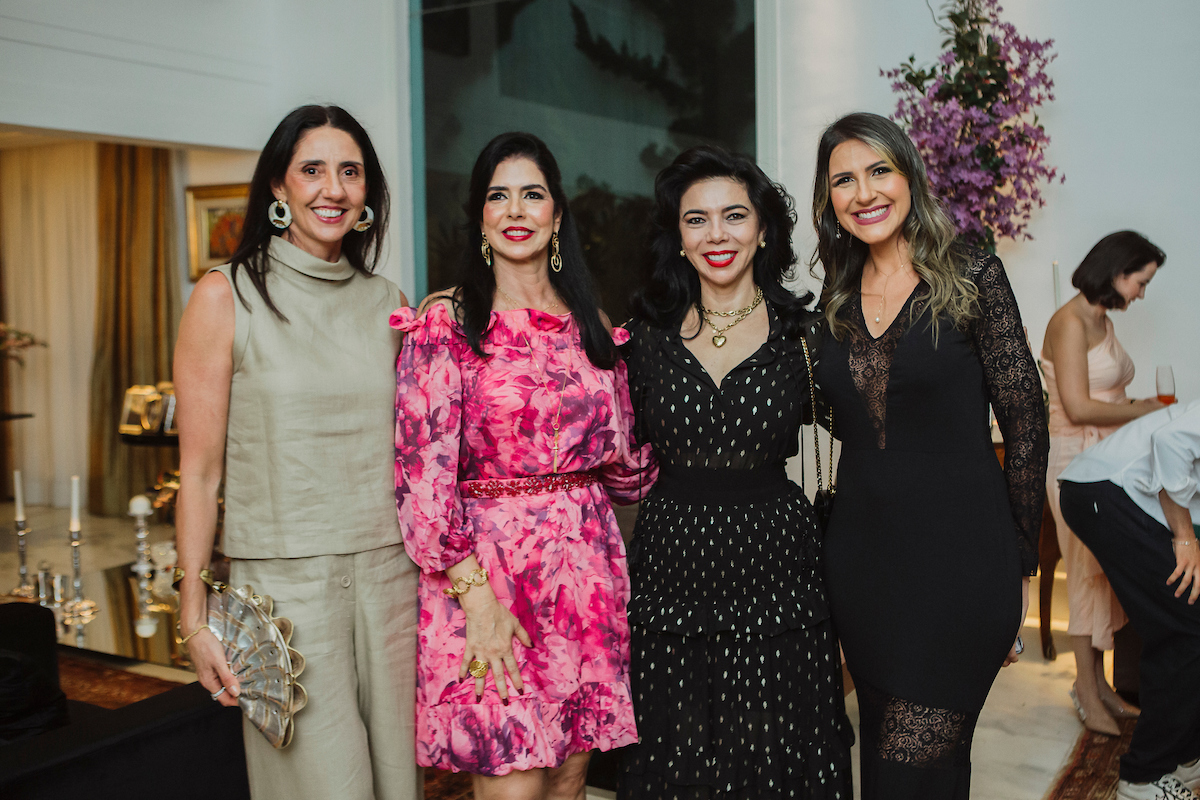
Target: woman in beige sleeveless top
point(285, 377)
point(1087, 371)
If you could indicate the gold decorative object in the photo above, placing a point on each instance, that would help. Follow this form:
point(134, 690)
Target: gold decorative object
point(142, 411)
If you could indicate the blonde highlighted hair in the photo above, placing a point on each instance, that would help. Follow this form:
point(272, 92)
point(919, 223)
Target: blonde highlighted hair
point(930, 234)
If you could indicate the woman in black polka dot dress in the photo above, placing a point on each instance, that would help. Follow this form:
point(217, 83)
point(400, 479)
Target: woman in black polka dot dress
point(736, 678)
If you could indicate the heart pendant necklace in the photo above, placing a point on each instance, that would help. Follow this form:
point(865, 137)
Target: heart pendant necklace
point(738, 315)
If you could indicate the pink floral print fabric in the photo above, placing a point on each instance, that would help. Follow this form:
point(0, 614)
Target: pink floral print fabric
point(556, 559)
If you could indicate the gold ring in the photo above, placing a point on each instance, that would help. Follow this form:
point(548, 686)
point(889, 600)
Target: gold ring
point(478, 669)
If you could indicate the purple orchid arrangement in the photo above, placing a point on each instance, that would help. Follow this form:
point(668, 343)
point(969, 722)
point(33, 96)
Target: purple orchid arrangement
point(972, 116)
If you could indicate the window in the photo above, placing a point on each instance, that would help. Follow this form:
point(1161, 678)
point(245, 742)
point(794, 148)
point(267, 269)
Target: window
point(616, 88)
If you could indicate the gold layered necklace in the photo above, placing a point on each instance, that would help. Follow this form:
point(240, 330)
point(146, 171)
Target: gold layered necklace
point(738, 314)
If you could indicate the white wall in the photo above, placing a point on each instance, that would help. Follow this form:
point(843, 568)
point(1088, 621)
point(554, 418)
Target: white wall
point(1122, 127)
point(213, 73)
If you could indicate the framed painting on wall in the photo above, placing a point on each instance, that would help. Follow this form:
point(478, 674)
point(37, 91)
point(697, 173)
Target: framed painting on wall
point(214, 220)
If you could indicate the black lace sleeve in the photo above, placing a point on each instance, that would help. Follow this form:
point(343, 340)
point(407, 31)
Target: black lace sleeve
point(1015, 393)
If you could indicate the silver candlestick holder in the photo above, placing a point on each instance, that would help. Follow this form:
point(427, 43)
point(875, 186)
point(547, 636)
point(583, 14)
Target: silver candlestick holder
point(146, 624)
point(78, 610)
point(25, 587)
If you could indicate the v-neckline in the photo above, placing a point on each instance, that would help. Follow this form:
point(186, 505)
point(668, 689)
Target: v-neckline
point(862, 315)
point(771, 322)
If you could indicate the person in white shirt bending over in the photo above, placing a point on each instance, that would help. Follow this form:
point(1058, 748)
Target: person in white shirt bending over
point(1133, 500)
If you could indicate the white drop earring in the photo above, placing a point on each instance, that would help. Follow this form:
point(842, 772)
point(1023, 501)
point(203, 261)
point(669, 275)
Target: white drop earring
point(280, 214)
point(365, 220)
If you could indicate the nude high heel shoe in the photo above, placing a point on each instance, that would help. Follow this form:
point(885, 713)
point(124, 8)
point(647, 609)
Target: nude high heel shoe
point(1118, 708)
point(1107, 726)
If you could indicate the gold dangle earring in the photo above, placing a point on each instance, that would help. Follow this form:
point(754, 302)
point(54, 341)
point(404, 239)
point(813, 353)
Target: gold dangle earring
point(486, 250)
point(555, 258)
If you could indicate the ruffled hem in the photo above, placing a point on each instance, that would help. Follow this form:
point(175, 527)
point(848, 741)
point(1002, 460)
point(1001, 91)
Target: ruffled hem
point(488, 738)
point(737, 717)
point(786, 609)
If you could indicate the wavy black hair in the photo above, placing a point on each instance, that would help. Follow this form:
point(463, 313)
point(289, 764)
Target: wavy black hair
point(1119, 253)
point(362, 250)
point(473, 296)
point(674, 285)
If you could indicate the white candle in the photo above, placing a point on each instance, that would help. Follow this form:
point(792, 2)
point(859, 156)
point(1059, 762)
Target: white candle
point(19, 492)
point(74, 503)
point(1057, 290)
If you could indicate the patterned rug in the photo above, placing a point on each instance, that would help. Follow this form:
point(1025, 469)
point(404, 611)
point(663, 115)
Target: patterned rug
point(1091, 771)
point(442, 785)
point(92, 682)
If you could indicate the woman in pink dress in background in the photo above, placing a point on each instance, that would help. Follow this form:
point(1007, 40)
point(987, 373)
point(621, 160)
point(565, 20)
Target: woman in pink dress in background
point(514, 426)
point(1087, 371)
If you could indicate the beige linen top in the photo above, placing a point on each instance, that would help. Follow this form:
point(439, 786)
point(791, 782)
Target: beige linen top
point(309, 448)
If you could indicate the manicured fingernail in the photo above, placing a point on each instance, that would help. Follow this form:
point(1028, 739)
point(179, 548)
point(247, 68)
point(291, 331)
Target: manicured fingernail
point(504, 700)
point(521, 691)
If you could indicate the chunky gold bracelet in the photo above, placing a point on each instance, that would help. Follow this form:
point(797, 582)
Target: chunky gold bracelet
point(460, 586)
point(187, 638)
point(206, 575)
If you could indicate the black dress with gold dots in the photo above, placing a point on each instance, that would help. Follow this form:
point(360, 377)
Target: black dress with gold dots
point(736, 678)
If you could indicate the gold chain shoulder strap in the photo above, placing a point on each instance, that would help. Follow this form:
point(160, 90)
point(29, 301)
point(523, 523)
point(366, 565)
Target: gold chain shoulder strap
point(812, 398)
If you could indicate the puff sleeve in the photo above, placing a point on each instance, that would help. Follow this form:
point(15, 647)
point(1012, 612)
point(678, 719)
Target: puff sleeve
point(630, 477)
point(428, 432)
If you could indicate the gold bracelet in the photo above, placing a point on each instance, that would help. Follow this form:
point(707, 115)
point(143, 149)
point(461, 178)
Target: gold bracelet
point(460, 586)
point(206, 575)
point(187, 638)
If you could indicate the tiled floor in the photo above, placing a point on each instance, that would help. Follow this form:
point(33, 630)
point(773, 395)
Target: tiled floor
point(1025, 732)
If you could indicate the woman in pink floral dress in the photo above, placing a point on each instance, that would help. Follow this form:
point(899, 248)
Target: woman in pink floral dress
point(514, 428)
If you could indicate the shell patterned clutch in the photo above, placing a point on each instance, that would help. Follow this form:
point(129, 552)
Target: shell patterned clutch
point(256, 648)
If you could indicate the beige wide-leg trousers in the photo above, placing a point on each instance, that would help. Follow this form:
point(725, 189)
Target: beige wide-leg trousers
point(355, 620)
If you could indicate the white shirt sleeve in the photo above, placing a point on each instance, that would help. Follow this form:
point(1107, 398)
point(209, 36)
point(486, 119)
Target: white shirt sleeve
point(1175, 456)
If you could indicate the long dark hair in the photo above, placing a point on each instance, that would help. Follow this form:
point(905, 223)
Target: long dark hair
point(674, 285)
point(361, 249)
point(476, 289)
point(930, 234)
point(1119, 253)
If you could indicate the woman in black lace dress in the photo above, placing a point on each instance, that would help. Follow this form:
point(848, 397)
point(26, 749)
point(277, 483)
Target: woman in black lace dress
point(930, 547)
point(736, 680)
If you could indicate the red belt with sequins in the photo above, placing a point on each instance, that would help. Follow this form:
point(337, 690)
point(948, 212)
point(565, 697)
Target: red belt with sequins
point(537, 484)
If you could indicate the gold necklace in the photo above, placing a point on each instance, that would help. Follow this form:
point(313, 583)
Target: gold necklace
point(517, 305)
point(554, 424)
point(739, 314)
point(883, 294)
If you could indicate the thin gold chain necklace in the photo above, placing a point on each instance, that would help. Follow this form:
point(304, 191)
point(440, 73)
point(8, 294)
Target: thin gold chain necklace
point(517, 305)
point(554, 423)
point(883, 294)
point(739, 314)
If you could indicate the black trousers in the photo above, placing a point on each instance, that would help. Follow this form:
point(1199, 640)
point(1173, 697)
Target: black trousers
point(1135, 551)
